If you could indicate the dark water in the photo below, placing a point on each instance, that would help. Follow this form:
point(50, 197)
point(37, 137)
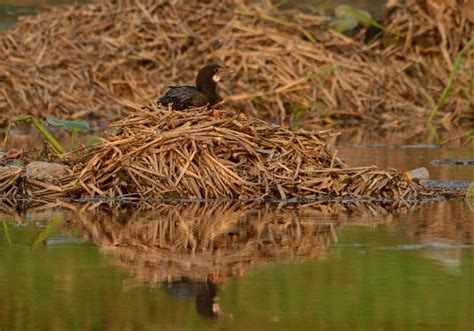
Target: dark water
point(10, 10)
point(329, 267)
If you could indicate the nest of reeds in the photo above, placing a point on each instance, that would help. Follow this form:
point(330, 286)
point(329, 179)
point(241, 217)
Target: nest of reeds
point(77, 61)
point(158, 153)
point(10, 179)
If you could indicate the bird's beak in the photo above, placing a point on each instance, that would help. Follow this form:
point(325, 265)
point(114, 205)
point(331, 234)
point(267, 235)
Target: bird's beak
point(223, 72)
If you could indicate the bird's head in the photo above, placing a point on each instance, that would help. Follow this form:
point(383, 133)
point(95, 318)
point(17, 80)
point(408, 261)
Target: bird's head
point(212, 74)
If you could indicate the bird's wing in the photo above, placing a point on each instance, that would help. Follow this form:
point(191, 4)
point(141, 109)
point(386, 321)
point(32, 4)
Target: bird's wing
point(183, 97)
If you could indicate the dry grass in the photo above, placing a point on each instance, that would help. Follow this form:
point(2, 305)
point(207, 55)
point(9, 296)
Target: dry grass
point(104, 59)
point(9, 181)
point(158, 153)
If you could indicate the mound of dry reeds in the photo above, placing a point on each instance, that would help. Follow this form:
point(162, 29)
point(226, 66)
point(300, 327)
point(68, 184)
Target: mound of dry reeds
point(100, 59)
point(158, 153)
point(9, 180)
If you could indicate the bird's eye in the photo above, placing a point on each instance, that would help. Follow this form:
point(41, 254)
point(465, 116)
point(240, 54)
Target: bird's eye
point(216, 70)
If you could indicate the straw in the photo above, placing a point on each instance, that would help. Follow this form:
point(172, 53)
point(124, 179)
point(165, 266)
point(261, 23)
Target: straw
point(98, 61)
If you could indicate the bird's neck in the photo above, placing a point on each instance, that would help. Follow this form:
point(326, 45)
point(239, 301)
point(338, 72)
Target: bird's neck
point(209, 90)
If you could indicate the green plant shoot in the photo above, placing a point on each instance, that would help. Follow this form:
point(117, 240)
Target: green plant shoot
point(36, 123)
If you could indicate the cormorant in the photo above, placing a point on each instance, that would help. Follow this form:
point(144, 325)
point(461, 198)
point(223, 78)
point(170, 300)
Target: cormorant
point(204, 93)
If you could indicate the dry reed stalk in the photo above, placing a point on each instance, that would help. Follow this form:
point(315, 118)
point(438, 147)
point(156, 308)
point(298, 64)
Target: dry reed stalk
point(158, 153)
point(9, 178)
point(102, 59)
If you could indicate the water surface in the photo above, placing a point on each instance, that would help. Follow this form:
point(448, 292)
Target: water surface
point(231, 267)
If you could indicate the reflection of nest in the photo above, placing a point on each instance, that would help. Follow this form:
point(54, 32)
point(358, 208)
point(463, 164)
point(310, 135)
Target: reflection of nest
point(214, 241)
point(443, 222)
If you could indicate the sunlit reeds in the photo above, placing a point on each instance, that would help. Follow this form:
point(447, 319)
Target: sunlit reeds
point(163, 154)
point(100, 60)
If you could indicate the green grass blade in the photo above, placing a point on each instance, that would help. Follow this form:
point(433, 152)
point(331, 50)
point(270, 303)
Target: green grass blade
point(452, 76)
point(48, 136)
point(7, 233)
point(52, 228)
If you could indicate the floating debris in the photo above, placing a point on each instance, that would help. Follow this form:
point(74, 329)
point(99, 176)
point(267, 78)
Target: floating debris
point(450, 185)
point(428, 246)
point(453, 162)
point(418, 173)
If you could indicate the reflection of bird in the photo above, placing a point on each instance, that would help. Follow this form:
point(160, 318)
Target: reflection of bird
point(204, 93)
point(205, 293)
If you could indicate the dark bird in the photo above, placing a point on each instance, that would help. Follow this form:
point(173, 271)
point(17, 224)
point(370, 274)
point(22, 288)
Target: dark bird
point(204, 93)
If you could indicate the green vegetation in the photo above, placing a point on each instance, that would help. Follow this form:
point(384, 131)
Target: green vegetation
point(470, 134)
point(348, 17)
point(37, 124)
point(452, 76)
point(470, 197)
point(51, 229)
point(74, 127)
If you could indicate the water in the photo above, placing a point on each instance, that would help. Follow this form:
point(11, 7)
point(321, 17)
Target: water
point(10, 10)
point(408, 157)
point(330, 267)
